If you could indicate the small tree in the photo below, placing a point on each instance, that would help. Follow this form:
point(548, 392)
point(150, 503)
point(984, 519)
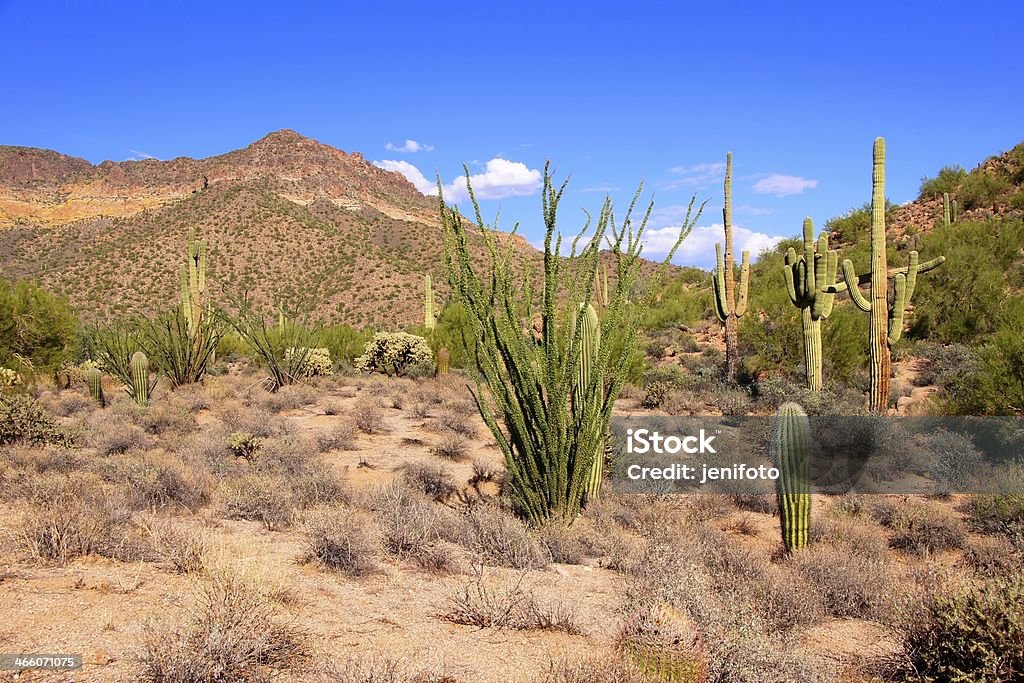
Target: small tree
point(549, 428)
point(393, 353)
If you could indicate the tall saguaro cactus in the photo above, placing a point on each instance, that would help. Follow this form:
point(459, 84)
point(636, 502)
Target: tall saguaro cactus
point(950, 209)
point(140, 386)
point(590, 346)
point(790, 453)
point(193, 284)
point(428, 305)
point(807, 277)
point(886, 322)
point(94, 379)
point(730, 305)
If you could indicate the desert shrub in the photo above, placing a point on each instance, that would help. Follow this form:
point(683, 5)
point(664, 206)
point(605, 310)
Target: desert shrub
point(980, 189)
point(340, 437)
point(431, 480)
point(994, 556)
point(562, 543)
point(456, 423)
point(394, 353)
point(69, 404)
point(37, 329)
point(281, 348)
point(503, 539)
point(232, 634)
point(24, 420)
point(972, 635)
point(112, 436)
point(343, 343)
point(158, 481)
point(260, 498)
point(341, 540)
point(289, 398)
point(71, 516)
point(258, 422)
point(927, 529)
point(655, 393)
point(451, 447)
point(998, 514)
point(995, 383)
point(489, 604)
point(162, 418)
point(410, 525)
point(849, 584)
point(948, 180)
point(600, 669)
point(378, 670)
point(183, 549)
point(368, 418)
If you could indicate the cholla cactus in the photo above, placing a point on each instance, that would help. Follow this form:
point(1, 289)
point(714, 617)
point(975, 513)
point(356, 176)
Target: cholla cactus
point(9, 378)
point(316, 363)
point(393, 353)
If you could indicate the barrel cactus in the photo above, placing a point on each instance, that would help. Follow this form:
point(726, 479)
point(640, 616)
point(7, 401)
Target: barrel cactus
point(663, 642)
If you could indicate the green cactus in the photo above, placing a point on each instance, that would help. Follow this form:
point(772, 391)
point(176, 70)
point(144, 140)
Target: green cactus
point(429, 321)
point(588, 387)
point(807, 277)
point(140, 386)
point(94, 379)
point(950, 210)
point(790, 454)
point(730, 305)
point(193, 283)
point(664, 643)
point(886, 324)
point(444, 361)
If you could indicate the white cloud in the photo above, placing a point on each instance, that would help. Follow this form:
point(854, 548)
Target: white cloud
point(782, 185)
point(698, 175)
point(411, 173)
point(140, 155)
point(500, 178)
point(698, 249)
point(409, 146)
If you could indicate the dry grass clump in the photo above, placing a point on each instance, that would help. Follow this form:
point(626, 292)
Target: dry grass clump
point(69, 403)
point(848, 584)
point(174, 543)
point(409, 524)
point(452, 447)
point(333, 407)
point(610, 668)
point(563, 543)
point(289, 397)
point(340, 437)
point(297, 465)
point(431, 480)
point(158, 480)
point(994, 556)
point(232, 634)
point(342, 540)
point(489, 604)
point(110, 434)
point(369, 418)
point(69, 516)
point(256, 421)
point(456, 423)
point(755, 502)
point(378, 670)
point(926, 529)
point(160, 417)
point(502, 538)
point(260, 498)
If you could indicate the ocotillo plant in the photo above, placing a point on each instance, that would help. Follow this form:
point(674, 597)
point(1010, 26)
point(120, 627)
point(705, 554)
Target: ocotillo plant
point(527, 379)
point(730, 305)
point(807, 277)
point(428, 305)
point(950, 209)
point(886, 323)
point(790, 453)
point(444, 361)
point(94, 379)
point(140, 386)
point(586, 390)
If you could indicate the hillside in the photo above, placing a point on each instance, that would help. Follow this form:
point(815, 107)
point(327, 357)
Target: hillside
point(286, 217)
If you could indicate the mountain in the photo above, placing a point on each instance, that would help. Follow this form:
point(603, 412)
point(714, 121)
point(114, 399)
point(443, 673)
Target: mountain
point(287, 218)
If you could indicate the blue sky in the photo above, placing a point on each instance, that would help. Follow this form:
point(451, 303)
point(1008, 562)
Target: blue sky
point(611, 93)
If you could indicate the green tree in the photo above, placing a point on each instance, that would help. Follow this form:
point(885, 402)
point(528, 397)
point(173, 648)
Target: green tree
point(38, 330)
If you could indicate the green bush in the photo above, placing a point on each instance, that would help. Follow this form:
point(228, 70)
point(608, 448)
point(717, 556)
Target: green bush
point(38, 330)
point(973, 635)
point(995, 385)
point(948, 180)
point(344, 343)
point(980, 189)
point(23, 420)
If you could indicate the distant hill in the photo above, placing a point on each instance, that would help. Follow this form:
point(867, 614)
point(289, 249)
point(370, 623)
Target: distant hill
point(286, 217)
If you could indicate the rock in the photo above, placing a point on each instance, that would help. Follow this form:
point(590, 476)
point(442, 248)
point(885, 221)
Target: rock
point(99, 657)
point(668, 352)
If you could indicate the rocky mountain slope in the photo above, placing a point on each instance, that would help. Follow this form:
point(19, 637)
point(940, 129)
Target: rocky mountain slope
point(287, 218)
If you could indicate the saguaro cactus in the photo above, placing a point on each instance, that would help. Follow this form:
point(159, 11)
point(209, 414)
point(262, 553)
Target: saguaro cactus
point(444, 361)
point(140, 385)
point(730, 305)
point(807, 277)
point(193, 284)
point(790, 453)
point(94, 379)
point(950, 209)
point(587, 386)
point(428, 305)
point(886, 326)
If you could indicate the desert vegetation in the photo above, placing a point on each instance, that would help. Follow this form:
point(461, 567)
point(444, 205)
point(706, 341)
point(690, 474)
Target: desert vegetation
point(228, 490)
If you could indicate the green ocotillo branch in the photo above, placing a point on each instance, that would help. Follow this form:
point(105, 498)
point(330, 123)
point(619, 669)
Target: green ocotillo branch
point(886, 322)
point(808, 275)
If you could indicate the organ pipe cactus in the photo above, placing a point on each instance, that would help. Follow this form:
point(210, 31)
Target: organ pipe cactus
point(730, 305)
point(790, 453)
point(94, 380)
point(428, 306)
point(808, 275)
point(886, 322)
point(588, 387)
point(444, 361)
point(140, 385)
